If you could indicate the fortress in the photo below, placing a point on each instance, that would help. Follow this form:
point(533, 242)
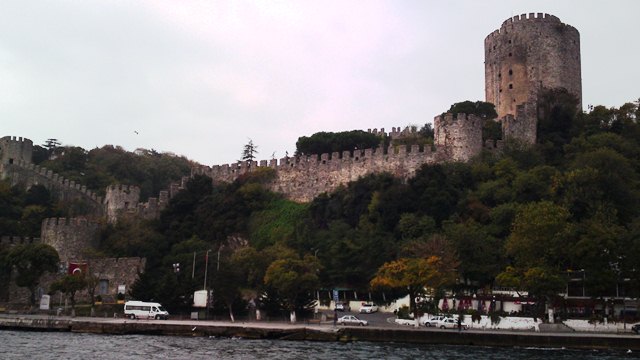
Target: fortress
point(528, 54)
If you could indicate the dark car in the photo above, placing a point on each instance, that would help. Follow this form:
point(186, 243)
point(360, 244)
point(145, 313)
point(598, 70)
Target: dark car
point(636, 328)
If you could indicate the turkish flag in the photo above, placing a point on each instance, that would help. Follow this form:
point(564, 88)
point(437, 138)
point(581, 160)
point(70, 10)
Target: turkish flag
point(78, 268)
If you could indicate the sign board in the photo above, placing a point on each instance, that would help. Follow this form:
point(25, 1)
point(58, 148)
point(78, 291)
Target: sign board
point(335, 295)
point(44, 302)
point(122, 289)
point(200, 299)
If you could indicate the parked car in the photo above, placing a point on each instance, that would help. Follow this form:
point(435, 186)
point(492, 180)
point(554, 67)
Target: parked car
point(368, 308)
point(343, 307)
point(636, 328)
point(449, 323)
point(434, 320)
point(351, 320)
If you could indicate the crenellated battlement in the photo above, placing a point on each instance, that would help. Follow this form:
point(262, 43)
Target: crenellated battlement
point(301, 178)
point(396, 132)
point(508, 24)
point(322, 161)
point(539, 17)
point(9, 241)
point(52, 223)
point(460, 134)
point(123, 201)
point(39, 175)
point(14, 149)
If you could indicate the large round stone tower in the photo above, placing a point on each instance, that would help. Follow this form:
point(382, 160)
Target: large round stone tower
point(526, 54)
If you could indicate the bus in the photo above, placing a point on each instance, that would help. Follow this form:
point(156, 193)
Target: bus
point(144, 310)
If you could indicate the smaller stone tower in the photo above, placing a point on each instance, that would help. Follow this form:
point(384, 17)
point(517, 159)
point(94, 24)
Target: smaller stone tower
point(460, 135)
point(13, 150)
point(72, 238)
point(120, 199)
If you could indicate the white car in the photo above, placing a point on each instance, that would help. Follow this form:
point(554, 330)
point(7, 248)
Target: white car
point(368, 308)
point(449, 323)
point(434, 320)
point(351, 320)
point(343, 307)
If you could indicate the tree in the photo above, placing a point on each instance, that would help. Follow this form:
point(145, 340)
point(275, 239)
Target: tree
point(249, 151)
point(69, 285)
point(411, 274)
point(539, 247)
point(51, 144)
point(31, 262)
point(431, 264)
point(292, 278)
point(328, 142)
point(485, 110)
point(540, 235)
point(227, 281)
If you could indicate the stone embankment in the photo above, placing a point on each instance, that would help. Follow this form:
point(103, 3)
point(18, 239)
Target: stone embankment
point(321, 332)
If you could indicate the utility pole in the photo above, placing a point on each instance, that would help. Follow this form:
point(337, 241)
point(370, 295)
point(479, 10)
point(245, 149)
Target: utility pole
point(193, 268)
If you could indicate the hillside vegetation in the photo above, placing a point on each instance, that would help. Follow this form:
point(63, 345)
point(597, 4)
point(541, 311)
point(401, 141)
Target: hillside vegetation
point(523, 217)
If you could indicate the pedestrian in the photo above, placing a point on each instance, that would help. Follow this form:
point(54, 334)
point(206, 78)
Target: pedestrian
point(459, 323)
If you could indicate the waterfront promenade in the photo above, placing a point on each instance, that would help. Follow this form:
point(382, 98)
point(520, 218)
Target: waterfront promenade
point(320, 332)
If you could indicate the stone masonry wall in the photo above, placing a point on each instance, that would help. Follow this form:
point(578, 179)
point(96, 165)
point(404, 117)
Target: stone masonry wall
point(28, 174)
point(461, 135)
point(72, 238)
point(119, 199)
point(14, 149)
point(117, 271)
point(303, 178)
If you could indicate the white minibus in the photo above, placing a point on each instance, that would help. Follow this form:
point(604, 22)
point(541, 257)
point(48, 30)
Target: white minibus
point(144, 310)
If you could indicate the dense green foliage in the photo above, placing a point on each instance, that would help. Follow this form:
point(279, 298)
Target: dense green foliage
point(522, 217)
point(22, 212)
point(98, 168)
point(29, 262)
point(483, 109)
point(328, 142)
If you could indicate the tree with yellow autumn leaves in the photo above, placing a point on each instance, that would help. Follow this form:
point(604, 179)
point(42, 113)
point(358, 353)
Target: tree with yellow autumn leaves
point(426, 265)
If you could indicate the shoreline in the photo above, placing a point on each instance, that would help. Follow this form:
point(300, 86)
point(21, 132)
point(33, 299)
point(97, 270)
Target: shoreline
point(320, 332)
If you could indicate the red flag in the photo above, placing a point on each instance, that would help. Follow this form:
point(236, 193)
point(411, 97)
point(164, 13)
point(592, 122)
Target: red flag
point(78, 268)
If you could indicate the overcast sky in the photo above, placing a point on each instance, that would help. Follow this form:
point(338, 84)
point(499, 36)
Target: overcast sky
point(201, 78)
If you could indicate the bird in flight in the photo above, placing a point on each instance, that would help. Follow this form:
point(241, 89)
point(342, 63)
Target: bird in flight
point(135, 132)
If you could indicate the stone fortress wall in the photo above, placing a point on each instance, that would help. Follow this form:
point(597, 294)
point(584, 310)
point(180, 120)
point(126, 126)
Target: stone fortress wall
point(461, 135)
point(9, 241)
point(73, 238)
point(302, 178)
point(122, 201)
point(16, 166)
point(526, 54)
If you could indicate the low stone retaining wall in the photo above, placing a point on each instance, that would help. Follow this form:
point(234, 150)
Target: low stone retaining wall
point(326, 333)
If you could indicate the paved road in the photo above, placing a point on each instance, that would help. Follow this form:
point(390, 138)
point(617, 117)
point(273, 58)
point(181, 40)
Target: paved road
point(376, 320)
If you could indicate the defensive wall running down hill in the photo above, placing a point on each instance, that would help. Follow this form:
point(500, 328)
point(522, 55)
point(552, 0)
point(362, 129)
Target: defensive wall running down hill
point(122, 201)
point(28, 174)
